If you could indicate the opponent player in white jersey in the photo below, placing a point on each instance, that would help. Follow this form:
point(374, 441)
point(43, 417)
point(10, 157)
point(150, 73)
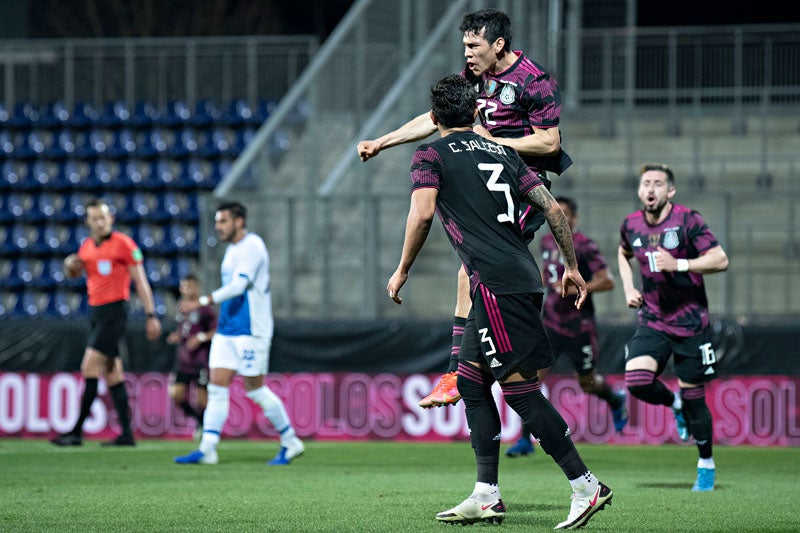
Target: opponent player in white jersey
point(243, 338)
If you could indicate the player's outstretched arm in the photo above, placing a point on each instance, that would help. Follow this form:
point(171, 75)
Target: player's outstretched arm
point(543, 142)
point(418, 224)
point(415, 129)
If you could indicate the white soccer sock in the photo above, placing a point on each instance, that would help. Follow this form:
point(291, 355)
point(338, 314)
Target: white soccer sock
point(486, 491)
point(585, 485)
point(215, 416)
point(275, 412)
point(677, 403)
point(706, 463)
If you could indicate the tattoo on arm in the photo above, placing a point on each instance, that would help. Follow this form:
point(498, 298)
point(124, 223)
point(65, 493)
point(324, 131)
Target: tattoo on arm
point(541, 199)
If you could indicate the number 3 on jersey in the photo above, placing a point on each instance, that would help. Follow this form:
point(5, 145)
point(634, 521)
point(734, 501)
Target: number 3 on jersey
point(496, 169)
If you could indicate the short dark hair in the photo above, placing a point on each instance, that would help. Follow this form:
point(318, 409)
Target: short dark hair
point(236, 209)
point(659, 166)
point(496, 22)
point(190, 277)
point(96, 202)
point(453, 101)
point(572, 204)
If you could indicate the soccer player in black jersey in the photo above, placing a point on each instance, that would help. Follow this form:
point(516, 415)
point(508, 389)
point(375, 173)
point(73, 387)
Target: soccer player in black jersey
point(476, 186)
point(519, 107)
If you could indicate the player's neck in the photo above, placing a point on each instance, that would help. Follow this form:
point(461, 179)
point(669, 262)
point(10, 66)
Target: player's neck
point(447, 131)
point(504, 63)
point(661, 216)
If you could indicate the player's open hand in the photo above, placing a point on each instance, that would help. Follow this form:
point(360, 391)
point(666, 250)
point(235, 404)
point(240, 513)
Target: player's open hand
point(152, 329)
point(572, 279)
point(396, 282)
point(368, 149)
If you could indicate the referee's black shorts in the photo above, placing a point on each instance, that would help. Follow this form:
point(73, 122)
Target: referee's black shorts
point(108, 323)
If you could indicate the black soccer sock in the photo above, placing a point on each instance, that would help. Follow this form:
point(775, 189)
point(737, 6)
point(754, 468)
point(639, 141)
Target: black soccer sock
point(483, 419)
point(539, 415)
point(458, 332)
point(644, 385)
point(119, 396)
point(89, 395)
point(699, 419)
point(188, 410)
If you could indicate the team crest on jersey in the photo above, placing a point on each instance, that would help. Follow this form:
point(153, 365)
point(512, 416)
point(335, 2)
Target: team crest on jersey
point(507, 94)
point(671, 240)
point(104, 267)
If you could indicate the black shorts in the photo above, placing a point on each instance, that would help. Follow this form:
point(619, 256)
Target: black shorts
point(506, 333)
point(694, 356)
point(201, 378)
point(108, 323)
point(580, 350)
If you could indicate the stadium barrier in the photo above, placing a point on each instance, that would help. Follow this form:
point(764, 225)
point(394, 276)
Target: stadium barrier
point(363, 379)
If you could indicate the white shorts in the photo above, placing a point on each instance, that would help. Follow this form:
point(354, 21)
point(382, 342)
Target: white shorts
point(248, 356)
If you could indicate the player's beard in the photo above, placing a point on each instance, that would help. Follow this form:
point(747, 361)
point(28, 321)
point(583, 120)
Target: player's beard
point(657, 209)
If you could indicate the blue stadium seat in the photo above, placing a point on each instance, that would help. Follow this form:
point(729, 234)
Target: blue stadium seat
point(45, 206)
point(4, 116)
point(6, 144)
point(24, 116)
point(144, 116)
point(186, 266)
point(19, 204)
point(52, 240)
point(115, 115)
point(298, 117)
point(63, 146)
point(49, 176)
point(148, 237)
point(31, 147)
point(214, 144)
point(6, 216)
point(122, 144)
point(150, 144)
point(52, 275)
point(10, 278)
point(205, 114)
point(83, 116)
point(20, 274)
point(262, 112)
point(133, 174)
point(162, 272)
point(34, 303)
point(183, 238)
point(176, 115)
point(91, 144)
point(192, 175)
point(102, 174)
point(17, 176)
point(10, 304)
point(189, 210)
point(183, 145)
point(54, 115)
point(59, 305)
point(237, 115)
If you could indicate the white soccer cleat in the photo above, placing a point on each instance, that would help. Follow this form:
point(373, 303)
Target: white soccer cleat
point(472, 510)
point(197, 457)
point(582, 509)
point(292, 450)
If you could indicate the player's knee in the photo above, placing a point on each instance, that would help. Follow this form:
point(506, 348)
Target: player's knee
point(472, 383)
point(639, 382)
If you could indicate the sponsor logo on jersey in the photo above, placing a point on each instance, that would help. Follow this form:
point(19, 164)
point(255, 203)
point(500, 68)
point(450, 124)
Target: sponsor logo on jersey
point(637, 243)
point(495, 363)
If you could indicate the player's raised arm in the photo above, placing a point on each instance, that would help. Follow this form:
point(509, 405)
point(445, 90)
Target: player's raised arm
point(415, 129)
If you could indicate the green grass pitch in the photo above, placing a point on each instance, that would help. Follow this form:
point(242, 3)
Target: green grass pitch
point(379, 486)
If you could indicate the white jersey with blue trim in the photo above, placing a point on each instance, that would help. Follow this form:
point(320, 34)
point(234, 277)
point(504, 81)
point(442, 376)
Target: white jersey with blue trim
point(249, 313)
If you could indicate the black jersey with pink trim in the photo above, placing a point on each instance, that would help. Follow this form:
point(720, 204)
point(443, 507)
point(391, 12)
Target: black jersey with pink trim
point(674, 302)
point(560, 314)
point(511, 103)
point(480, 185)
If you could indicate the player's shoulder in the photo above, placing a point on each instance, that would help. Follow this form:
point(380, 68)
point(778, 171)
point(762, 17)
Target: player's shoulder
point(636, 216)
point(123, 239)
point(529, 67)
point(430, 152)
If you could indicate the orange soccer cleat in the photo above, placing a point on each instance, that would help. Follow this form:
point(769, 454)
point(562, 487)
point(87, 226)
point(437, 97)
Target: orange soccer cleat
point(444, 393)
